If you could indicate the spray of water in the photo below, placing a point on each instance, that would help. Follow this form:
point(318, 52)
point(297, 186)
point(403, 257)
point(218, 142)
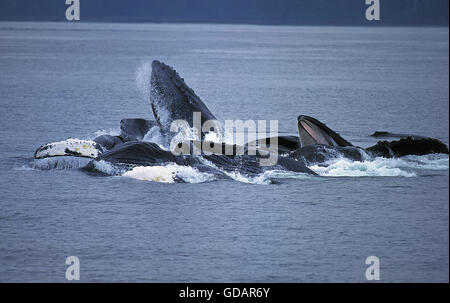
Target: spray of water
point(143, 74)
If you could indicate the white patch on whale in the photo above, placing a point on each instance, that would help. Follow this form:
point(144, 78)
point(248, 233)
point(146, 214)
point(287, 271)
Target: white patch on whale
point(60, 162)
point(69, 147)
point(169, 174)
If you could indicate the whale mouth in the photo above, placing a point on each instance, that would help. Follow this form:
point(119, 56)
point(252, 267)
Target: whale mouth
point(172, 99)
point(164, 92)
point(312, 131)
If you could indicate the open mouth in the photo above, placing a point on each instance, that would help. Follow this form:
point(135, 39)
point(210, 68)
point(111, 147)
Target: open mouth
point(313, 135)
point(312, 131)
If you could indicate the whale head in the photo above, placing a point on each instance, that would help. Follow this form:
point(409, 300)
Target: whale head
point(172, 99)
point(312, 131)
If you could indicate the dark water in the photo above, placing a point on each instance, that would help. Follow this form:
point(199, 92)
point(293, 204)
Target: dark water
point(59, 80)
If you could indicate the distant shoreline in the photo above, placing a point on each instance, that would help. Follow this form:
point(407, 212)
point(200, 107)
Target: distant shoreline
point(88, 20)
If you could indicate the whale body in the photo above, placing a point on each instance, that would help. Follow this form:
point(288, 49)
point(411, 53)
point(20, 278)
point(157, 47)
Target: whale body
point(171, 100)
point(318, 143)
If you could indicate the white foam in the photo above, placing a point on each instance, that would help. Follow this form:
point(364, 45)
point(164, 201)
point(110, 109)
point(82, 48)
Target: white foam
point(408, 166)
point(282, 174)
point(111, 132)
point(264, 178)
point(192, 175)
point(214, 137)
point(258, 179)
point(169, 174)
point(184, 135)
point(154, 135)
point(107, 168)
point(267, 176)
point(347, 168)
point(426, 162)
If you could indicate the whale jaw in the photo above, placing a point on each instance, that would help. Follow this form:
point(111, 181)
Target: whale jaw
point(311, 131)
point(172, 99)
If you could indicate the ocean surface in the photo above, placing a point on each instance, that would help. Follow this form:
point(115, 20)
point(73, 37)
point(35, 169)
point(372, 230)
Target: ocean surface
point(60, 80)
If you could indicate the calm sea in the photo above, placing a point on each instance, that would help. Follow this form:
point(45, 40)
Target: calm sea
point(60, 80)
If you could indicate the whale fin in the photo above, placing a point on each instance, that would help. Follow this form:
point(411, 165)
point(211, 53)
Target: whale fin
point(69, 147)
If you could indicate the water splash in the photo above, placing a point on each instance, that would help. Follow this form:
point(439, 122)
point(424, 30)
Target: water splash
point(100, 132)
point(107, 168)
point(408, 166)
point(154, 135)
point(143, 75)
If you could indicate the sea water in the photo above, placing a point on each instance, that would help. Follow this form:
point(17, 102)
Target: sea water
point(60, 80)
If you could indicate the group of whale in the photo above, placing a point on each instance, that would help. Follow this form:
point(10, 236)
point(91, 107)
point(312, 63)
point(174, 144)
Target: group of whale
point(172, 99)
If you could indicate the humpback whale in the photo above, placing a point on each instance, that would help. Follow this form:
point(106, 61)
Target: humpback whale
point(386, 134)
point(408, 146)
point(131, 130)
point(171, 99)
point(318, 143)
point(312, 131)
